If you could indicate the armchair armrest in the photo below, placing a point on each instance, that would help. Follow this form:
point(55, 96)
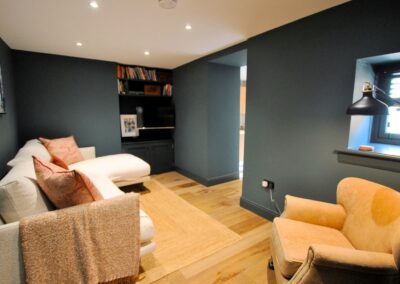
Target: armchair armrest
point(330, 264)
point(314, 212)
point(88, 152)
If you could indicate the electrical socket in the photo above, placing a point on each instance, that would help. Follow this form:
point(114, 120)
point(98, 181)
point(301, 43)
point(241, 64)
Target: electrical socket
point(267, 184)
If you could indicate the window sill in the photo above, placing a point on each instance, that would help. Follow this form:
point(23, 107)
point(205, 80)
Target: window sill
point(384, 158)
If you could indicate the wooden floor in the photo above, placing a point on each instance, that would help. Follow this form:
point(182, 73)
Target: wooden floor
point(243, 262)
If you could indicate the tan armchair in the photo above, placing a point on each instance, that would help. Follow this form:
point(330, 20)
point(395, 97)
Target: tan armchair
point(354, 241)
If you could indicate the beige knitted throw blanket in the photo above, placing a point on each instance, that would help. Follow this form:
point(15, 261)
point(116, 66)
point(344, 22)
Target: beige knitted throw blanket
point(90, 243)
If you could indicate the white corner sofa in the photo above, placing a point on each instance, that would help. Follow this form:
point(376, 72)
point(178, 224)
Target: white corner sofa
point(102, 171)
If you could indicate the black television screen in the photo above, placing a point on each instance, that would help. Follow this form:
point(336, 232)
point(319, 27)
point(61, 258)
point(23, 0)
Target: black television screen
point(158, 116)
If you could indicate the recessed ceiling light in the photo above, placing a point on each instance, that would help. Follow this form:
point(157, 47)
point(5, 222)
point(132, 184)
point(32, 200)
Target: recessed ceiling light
point(94, 4)
point(188, 27)
point(79, 43)
point(147, 52)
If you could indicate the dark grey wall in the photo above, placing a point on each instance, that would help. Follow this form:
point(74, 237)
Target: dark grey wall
point(8, 121)
point(190, 97)
point(206, 98)
point(59, 96)
point(300, 82)
point(223, 122)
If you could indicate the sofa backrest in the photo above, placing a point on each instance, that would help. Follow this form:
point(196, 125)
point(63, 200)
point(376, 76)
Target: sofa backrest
point(20, 195)
point(372, 214)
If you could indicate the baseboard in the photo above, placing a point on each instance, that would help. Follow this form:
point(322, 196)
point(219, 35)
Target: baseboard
point(223, 178)
point(211, 181)
point(192, 176)
point(258, 209)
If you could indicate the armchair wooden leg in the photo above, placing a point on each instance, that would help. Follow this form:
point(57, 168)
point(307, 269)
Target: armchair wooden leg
point(271, 263)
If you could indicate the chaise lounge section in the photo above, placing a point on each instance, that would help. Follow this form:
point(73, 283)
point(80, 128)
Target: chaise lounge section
point(104, 172)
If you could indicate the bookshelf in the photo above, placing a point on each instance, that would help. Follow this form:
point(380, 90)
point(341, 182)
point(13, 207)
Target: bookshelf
point(151, 90)
point(139, 80)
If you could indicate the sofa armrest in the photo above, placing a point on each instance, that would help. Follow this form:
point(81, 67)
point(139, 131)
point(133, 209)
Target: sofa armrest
point(314, 212)
point(11, 263)
point(330, 264)
point(88, 152)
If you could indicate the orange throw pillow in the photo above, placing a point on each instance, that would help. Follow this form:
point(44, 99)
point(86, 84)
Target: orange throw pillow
point(57, 161)
point(63, 148)
point(64, 188)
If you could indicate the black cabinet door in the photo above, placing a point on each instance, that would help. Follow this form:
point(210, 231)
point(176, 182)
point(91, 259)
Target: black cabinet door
point(159, 154)
point(162, 156)
point(140, 150)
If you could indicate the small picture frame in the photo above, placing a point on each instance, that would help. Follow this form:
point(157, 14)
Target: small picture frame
point(129, 125)
point(2, 106)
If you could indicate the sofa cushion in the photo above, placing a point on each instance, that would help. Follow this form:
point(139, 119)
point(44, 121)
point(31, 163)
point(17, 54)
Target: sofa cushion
point(292, 239)
point(31, 148)
point(105, 186)
point(115, 167)
point(64, 188)
point(22, 169)
point(109, 190)
point(64, 149)
point(22, 198)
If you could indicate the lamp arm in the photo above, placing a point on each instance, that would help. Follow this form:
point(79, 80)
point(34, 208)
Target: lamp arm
point(383, 97)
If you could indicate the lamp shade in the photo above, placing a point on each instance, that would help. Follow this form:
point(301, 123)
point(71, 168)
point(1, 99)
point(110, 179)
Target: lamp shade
point(368, 105)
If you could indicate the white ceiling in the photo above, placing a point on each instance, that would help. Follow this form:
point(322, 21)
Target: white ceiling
point(121, 30)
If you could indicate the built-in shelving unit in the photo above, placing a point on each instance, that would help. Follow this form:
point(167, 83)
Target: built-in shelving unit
point(147, 93)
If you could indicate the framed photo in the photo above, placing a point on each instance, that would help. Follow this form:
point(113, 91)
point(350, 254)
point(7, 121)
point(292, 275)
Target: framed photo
point(2, 106)
point(129, 125)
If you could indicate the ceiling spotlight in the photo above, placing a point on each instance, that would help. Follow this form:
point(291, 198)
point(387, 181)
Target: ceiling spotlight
point(147, 52)
point(94, 4)
point(168, 4)
point(188, 27)
point(79, 43)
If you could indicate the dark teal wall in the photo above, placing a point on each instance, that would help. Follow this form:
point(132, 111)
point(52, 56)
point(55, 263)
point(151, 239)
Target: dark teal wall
point(300, 82)
point(190, 97)
point(206, 98)
point(59, 95)
point(8, 121)
point(223, 122)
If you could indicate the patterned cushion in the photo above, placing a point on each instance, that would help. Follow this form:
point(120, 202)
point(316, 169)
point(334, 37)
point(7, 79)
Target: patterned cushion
point(63, 148)
point(64, 188)
point(59, 162)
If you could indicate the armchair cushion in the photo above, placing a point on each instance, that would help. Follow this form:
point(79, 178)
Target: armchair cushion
point(314, 212)
point(373, 214)
point(331, 264)
point(291, 240)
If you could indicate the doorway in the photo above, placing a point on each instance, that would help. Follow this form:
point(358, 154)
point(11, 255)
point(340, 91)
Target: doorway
point(242, 127)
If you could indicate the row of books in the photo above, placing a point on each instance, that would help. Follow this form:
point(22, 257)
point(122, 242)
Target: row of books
point(137, 73)
point(124, 90)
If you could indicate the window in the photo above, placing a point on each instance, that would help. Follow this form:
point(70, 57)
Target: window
point(386, 129)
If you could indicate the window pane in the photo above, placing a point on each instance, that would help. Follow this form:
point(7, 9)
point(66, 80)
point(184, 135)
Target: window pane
point(395, 93)
point(393, 121)
point(395, 88)
point(395, 80)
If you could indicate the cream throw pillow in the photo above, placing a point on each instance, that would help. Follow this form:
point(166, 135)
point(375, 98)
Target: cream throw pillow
point(22, 198)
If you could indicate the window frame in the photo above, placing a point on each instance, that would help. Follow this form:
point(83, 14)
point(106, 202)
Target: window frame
point(383, 76)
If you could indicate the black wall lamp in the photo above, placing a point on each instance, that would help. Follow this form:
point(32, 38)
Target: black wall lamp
point(370, 104)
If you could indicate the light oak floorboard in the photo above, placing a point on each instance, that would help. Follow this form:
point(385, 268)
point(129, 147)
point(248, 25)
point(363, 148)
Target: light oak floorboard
point(242, 262)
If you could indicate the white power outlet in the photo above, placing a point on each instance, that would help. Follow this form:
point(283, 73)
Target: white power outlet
point(267, 184)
